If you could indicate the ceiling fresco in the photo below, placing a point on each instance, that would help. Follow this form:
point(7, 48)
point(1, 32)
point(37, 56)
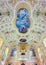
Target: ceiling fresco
point(22, 22)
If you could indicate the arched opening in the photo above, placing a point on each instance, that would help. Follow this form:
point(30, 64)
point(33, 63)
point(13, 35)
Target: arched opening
point(22, 64)
point(13, 52)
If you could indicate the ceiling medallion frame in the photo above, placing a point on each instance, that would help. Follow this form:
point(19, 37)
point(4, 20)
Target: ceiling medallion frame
point(26, 5)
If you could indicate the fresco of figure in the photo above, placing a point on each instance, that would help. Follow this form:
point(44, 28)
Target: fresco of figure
point(23, 21)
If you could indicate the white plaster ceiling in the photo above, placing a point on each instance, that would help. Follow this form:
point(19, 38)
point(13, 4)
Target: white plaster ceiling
point(8, 30)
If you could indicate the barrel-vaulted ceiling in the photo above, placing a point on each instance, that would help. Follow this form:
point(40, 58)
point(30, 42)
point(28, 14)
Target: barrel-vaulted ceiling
point(8, 30)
